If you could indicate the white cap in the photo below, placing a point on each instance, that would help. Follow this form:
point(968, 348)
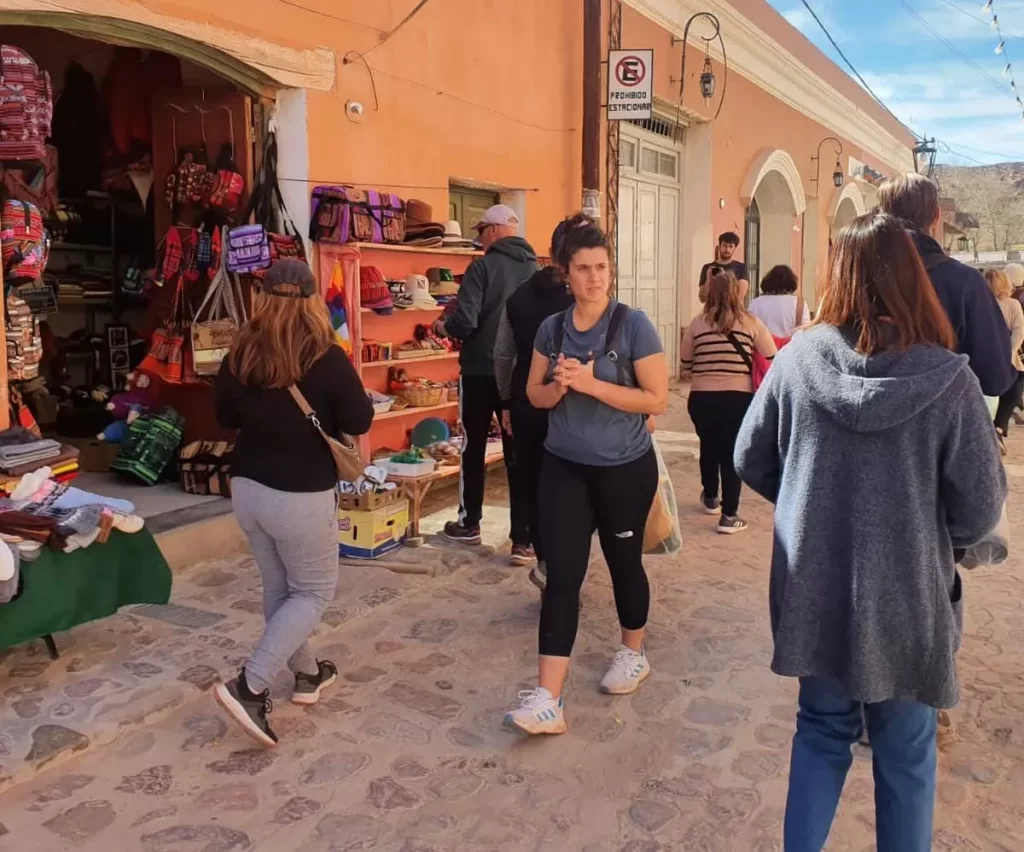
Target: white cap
point(499, 214)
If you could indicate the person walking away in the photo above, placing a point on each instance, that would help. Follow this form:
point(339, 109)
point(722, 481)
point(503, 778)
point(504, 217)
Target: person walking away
point(283, 480)
point(546, 293)
point(1015, 272)
point(509, 260)
point(725, 254)
point(779, 307)
point(869, 408)
point(718, 353)
point(1001, 287)
point(599, 369)
point(978, 323)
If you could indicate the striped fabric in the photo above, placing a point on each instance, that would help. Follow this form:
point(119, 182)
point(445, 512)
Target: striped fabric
point(713, 361)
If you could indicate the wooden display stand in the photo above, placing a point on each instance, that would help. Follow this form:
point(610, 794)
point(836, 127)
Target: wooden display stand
point(392, 428)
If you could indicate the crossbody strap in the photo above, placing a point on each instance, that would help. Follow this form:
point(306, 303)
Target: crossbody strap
point(747, 359)
point(305, 407)
point(799, 312)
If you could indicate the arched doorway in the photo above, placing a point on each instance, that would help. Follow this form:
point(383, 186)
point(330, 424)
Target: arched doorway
point(773, 187)
point(847, 206)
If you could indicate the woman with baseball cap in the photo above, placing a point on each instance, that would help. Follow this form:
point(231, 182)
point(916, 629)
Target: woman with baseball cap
point(283, 480)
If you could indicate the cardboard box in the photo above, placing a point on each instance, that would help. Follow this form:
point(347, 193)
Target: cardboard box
point(367, 535)
point(369, 501)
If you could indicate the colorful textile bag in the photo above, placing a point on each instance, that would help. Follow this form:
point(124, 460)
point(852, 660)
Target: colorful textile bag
point(204, 467)
point(26, 245)
point(150, 445)
point(376, 217)
point(169, 358)
point(331, 215)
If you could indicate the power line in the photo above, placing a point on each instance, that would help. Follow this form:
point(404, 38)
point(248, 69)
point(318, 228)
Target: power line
point(974, 17)
point(295, 5)
point(386, 35)
point(963, 56)
point(1001, 51)
point(853, 70)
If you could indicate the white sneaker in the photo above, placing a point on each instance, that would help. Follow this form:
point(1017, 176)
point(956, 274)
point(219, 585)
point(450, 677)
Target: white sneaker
point(537, 713)
point(539, 575)
point(626, 673)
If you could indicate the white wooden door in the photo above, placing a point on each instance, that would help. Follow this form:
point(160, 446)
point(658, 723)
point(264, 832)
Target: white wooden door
point(648, 250)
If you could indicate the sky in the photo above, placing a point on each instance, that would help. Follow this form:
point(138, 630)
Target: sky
point(956, 90)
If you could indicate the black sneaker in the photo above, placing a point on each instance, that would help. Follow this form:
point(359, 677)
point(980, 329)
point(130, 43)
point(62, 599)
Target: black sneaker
point(248, 710)
point(455, 531)
point(711, 505)
point(308, 687)
point(731, 526)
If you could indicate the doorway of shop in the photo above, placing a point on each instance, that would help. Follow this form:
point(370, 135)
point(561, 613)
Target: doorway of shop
point(650, 177)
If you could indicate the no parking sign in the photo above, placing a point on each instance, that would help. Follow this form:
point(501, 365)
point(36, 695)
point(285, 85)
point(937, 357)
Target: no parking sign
point(630, 84)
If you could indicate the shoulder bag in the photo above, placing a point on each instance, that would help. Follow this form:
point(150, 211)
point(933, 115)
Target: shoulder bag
point(347, 462)
point(757, 364)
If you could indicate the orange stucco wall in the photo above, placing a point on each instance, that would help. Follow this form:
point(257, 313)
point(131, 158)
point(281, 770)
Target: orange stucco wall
point(489, 92)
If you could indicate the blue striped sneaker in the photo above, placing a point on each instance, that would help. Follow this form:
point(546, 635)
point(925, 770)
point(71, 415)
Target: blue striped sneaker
point(628, 670)
point(537, 713)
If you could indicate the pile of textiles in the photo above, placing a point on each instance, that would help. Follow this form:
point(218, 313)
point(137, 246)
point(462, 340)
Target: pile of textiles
point(42, 511)
point(19, 447)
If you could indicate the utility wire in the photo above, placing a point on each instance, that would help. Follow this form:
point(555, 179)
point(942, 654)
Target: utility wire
point(956, 50)
point(295, 5)
point(975, 17)
point(386, 35)
point(854, 71)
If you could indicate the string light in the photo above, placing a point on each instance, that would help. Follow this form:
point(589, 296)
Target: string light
point(1001, 51)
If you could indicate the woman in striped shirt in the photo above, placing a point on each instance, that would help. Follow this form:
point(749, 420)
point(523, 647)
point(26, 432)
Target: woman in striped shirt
point(718, 352)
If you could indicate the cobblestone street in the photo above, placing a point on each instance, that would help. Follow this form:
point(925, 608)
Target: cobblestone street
point(119, 744)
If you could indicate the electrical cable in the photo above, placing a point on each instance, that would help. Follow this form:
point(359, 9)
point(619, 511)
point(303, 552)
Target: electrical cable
point(975, 17)
point(295, 5)
point(956, 50)
point(387, 35)
point(854, 71)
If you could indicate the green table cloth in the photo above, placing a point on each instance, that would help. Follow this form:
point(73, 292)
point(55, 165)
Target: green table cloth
point(63, 590)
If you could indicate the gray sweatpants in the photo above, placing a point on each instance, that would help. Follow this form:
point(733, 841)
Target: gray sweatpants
point(294, 538)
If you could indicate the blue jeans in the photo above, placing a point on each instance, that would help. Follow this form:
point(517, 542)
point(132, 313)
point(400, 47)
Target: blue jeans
point(904, 761)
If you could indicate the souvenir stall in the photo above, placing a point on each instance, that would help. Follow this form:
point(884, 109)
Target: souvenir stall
point(127, 180)
point(129, 177)
point(385, 284)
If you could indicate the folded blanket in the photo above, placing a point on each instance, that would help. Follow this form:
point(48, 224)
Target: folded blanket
point(67, 453)
point(17, 451)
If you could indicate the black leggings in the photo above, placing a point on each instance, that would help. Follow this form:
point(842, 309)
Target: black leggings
point(576, 499)
point(717, 416)
point(1007, 402)
point(529, 429)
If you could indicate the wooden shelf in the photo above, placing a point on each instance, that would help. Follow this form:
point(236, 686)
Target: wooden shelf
point(82, 247)
point(387, 415)
point(458, 252)
point(419, 360)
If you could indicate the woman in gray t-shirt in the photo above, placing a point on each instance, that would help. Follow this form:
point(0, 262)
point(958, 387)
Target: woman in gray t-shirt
point(600, 369)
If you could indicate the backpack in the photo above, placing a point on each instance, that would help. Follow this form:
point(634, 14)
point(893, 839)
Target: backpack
point(343, 213)
point(150, 446)
point(26, 106)
point(205, 467)
point(614, 328)
point(26, 245)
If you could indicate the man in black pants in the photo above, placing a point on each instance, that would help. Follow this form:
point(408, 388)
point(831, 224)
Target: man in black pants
point(487, 284)
point(544, 294)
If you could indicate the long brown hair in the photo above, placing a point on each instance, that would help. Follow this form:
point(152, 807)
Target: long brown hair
point(284, 338)
point(879, 287)
point(723, 306)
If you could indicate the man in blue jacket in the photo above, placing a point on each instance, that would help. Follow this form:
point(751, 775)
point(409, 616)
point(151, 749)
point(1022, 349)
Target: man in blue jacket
point(980, 329)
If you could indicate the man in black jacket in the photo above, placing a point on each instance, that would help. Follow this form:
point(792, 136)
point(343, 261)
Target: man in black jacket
point(509, 260)
point(546, 293)
point(980, 329)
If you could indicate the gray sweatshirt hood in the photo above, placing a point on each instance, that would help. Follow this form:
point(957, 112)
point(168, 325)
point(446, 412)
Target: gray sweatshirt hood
point(516, 248)
point(871, 393)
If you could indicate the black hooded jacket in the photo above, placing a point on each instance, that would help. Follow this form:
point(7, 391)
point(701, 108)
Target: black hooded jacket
point(533, 302)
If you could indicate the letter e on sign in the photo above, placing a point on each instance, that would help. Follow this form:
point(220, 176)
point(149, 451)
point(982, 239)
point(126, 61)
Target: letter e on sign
point(630, 84)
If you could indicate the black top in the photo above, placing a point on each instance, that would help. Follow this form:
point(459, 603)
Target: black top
point(533, 302)
point(276, 446)
point(736, 267)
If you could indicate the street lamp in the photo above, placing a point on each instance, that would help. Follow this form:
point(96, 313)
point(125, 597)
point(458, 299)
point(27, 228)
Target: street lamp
point(707, 76)
point(837, 175)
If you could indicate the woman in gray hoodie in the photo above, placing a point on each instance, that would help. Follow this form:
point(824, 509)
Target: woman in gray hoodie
point(872, 439)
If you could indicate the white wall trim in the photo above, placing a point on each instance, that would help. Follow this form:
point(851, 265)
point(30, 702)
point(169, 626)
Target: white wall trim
point(851, 192)
point(769, 161)
point(771, 67)
point(259, 64)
